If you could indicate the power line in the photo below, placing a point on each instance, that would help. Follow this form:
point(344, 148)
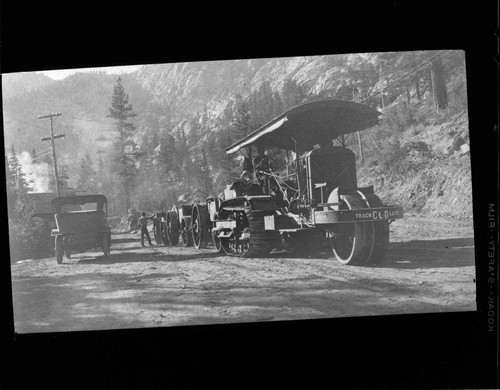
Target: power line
point(13, 117)
point(43, 155)
point(39, 152)
point(406, 75)
point(91, 120)
point(421, 65)
point(23, 121)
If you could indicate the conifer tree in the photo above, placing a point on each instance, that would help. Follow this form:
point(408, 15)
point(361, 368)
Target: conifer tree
point(16, 177)
point(125, 148)
point(292, 94)
point(204, 178)
point(439, 83)
point(241, 118)
point(278, 104)
point(87, 176)
point(64, 178)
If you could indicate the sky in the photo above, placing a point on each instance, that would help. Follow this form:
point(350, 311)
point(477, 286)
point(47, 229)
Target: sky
point(61, 74)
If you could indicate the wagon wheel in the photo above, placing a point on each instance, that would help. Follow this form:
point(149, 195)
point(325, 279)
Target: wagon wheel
point(172, 229)
point(59, 249)
point(200, 226)
point(157, 229)
point(351, 243)
point(163, 231)
point(187, 235)
point(380, 231)
point(220, 243)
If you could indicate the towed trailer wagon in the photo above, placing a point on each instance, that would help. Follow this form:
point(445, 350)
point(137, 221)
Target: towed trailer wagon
point(314, 203)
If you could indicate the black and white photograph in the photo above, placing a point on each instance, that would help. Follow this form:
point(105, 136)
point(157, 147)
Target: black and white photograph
point(239, 191)
point(243, 199)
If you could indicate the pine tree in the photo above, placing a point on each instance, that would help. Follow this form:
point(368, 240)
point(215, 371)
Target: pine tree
point(87, 176)
point(241, 118)
point(204, 179)
point(439, 83)
point(292, 94)
point(64, 179)
point(125, 148)
point(17, 178)
point(266, 101)
point(19, 208)
point(278, 104)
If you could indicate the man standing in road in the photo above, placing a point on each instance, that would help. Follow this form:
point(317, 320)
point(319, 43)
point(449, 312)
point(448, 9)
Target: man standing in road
point(143, 223)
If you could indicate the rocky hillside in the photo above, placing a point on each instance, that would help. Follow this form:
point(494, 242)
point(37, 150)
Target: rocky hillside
point(190, 87)
point(434, 179)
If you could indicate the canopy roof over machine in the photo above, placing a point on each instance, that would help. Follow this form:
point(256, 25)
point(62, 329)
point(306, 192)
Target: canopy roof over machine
point(309, 124)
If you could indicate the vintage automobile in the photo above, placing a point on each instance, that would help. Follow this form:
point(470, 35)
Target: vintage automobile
point(81, 224)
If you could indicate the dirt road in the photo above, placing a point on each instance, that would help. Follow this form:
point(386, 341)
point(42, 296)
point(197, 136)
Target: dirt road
point(429, 268)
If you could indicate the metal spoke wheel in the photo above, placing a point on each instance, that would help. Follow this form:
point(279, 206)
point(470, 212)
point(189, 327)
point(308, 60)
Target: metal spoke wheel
point(200, 226)
point(220, 243)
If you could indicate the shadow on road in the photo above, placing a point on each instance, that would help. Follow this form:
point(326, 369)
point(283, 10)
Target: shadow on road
point(145, 257)
point(444, 253)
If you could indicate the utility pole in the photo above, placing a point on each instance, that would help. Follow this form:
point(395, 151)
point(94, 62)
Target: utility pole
point(51, 138)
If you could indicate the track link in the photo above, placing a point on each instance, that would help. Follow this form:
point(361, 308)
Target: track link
point(251, 240)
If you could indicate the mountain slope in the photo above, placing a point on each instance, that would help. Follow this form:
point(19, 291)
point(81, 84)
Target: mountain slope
point(189, 87)
point(17, 84)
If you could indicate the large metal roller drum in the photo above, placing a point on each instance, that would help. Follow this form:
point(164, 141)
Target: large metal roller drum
point(380, 241)
point(351, 242)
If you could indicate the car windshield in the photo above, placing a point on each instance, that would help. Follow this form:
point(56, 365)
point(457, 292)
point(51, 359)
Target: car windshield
point(89, 206)
point(65, 208)
point(70, 207)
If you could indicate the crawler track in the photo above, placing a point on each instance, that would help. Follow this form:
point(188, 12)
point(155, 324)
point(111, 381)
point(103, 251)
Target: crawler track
point(251, 239)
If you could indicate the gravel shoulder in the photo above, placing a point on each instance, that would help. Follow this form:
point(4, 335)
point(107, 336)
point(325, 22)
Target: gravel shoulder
point(428, 268)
